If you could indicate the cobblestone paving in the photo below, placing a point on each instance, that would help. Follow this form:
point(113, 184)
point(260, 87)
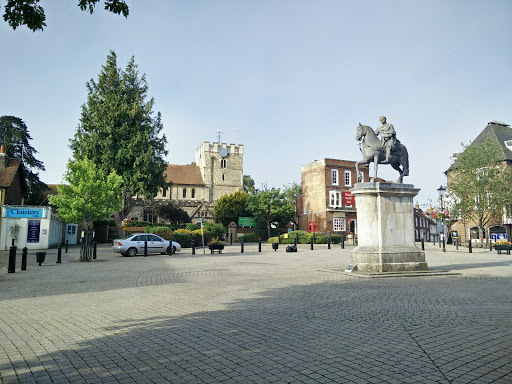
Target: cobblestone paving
point(270, 317)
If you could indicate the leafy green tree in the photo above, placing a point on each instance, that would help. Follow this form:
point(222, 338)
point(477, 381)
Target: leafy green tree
point(479, 183)
point(271, 207)
point(118, 131)
point(172, 213)
point(292, 191)
point(88, 196)
point(249, 184)
point(229, 208)
point(16, 138)
point(31, 14)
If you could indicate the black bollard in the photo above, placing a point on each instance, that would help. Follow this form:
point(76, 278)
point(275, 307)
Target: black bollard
point(67, 243)
point(329, 242)
point(470, 247)
point(490, 245)
point(24, 259)
point(311, 243)
point(193, 247)
point(145, 248)
point(231, 238)
point(342, 241)
point(12, 259)
point(59, 254)
point(296, 241)
point(439, 241)
point(444, 246)
point(242, 246)
point(457, 244)
point(259, 245)
point(94, 251)
point(278, 239)
point(422, 245)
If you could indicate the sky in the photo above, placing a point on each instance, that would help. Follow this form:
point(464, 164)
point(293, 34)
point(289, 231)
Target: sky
point(293, 77)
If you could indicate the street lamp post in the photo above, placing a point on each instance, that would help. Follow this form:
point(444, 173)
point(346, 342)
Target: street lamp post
point(441, 190)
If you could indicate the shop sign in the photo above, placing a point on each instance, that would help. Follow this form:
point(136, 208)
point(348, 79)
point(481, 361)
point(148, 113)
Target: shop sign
point(348, 199)
point(33, 213)
point(34, 227)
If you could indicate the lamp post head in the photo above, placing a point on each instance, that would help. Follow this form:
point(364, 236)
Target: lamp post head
point(441, 190)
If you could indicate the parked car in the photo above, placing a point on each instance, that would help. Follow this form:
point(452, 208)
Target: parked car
point(134, 244)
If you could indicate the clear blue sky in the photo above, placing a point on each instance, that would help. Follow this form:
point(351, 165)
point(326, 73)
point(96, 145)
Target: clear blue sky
point(295, 76)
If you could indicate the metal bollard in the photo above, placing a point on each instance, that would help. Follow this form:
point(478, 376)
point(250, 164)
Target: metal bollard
point(67, 243)
point(59, 254)
point(490, 245)
point(259, 245)
point(422, 245)
point(231, 239)
point(342, 241)
point(278, 239)
point(311, 243)
point(242, 246)
point(457, 244)
point(145, 248)
point(440, 241)
point(296, 240)
point(12, 259)
point(470, 247)
point(94, 251)
point(329, 242)
point(444, 245)
point(24, 259)
point(193, 247)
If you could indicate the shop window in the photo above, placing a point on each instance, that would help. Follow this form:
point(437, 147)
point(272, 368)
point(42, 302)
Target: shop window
point(339, 224)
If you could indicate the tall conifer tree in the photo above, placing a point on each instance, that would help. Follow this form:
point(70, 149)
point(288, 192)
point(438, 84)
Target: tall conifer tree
point(118, 130)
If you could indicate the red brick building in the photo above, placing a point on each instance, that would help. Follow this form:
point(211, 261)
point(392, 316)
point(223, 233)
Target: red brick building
point(326, 204)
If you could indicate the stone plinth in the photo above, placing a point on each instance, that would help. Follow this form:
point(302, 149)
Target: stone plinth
point(385, 218)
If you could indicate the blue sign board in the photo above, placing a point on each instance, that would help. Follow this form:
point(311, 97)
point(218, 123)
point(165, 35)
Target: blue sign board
point(34, 227)
point(36, 213)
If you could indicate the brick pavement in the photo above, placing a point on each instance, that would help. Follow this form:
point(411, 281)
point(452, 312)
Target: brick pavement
point(270, 317)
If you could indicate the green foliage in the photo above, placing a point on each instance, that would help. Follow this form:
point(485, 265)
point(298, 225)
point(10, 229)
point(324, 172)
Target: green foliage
point(89, 195)
point(271, 207)
point(16, 138)
point(305, 238)
point(172, 213)
point(163, 232)
point(249, 184)
point(137, 223)
point(250, 238)
point(229, 208)
point(192, 226)
point(31, 14)
point(479, 184)
point(118, 132)
point(292, 191)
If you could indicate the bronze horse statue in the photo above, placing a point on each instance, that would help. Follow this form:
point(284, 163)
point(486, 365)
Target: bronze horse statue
point(372, 150)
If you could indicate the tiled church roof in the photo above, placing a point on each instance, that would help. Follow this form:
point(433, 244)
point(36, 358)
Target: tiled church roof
point(183, 175)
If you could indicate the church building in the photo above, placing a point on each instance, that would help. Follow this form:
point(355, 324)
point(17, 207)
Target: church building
point(196, 188)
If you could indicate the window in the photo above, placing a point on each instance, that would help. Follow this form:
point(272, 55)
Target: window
point(223, 163)
point(338, 224)
point(193, 193)
point(223, 176)
point(184, 193)
point(149, 215)
point(347, 178)
point(164, 192)
point(335, 199)
point(334, 176)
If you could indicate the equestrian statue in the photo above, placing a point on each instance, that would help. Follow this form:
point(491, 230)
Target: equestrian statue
point(387, 150)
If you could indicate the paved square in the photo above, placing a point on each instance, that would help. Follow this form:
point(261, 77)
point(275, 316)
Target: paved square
point(270, 317)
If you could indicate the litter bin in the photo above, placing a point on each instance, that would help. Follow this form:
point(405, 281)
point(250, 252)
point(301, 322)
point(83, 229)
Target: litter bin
point(40, 256)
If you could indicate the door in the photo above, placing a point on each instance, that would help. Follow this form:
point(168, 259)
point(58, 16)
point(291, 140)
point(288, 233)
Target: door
point(71, 230)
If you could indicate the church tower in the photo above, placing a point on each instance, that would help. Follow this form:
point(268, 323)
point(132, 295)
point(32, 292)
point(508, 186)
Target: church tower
point(221, 167)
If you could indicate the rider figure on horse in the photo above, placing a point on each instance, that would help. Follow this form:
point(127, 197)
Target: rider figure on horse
point(388, 136)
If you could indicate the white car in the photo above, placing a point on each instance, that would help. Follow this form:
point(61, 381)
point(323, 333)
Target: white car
point(134, 244)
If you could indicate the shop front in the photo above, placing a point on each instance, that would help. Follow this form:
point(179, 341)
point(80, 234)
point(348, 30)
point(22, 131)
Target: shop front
point(33, 227)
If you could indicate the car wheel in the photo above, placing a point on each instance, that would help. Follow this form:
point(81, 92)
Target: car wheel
point(132, 252)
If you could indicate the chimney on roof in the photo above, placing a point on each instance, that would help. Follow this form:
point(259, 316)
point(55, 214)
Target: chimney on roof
point(3, 158)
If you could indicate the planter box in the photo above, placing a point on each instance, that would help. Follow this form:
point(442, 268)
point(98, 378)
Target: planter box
point(500, 248)
point(216, 247)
